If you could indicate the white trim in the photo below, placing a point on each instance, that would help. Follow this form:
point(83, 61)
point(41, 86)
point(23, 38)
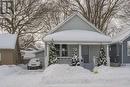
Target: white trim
point(108, 58)
point(122, 53)
point(128, 48)
point(80, 53)
point(47, 56)
point(60, 50)
point(82, 43)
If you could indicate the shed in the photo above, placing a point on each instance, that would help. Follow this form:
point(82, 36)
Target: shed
point(8, 52)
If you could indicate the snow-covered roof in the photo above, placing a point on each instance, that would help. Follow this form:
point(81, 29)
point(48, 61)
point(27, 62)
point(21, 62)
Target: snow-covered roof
point(78, 36)
point(8, 41)
point(121, 36)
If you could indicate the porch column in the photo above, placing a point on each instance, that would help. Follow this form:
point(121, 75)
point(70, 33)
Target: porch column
point(80, 55)
point(47, 56)
point(108, 58)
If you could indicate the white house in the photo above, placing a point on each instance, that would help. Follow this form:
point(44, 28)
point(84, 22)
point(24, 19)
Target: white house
point(77, 32)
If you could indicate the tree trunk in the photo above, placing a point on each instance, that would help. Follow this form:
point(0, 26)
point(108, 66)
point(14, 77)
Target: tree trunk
point(20, 60)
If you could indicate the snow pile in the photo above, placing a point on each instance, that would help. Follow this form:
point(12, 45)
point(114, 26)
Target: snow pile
point(8, 70)
point(15, 76)
point(64, 73)
point(113, 73)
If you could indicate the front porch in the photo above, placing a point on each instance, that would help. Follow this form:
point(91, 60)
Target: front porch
point(87, 53)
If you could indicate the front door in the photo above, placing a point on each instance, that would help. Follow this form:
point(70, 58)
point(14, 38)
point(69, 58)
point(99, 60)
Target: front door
point(85, 53)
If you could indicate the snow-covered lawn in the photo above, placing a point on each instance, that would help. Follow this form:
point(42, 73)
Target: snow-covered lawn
point(64, 76)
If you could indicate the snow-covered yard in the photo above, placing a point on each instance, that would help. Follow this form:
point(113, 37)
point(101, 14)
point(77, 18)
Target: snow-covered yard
point(64, 76)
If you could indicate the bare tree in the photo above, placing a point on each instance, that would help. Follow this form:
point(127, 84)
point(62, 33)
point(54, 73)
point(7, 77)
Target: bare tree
point(60, 10)
point(98, 12)
point(24, 19)
point(126, 12)
point(121, 20)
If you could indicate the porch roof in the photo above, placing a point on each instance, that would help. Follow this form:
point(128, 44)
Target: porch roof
point(78, 36)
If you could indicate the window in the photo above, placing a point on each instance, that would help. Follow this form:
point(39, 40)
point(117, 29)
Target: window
point(6, 7)
point(64, 50)
point(128, 48)
point(61, 50)
point(57, 46)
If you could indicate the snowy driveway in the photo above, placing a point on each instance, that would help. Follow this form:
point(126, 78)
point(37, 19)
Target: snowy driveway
point(64, 76)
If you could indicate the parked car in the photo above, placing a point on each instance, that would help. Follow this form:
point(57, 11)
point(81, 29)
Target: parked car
point(34, 63)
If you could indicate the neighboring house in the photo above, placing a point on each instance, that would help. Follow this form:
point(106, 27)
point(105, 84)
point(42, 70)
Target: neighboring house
point(120, 48)
point(77, 32)
point(8, 53)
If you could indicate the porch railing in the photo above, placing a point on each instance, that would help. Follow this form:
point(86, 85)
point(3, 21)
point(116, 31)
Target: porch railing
point(64, 60)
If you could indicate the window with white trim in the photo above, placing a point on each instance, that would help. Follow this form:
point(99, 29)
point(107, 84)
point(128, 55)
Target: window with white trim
point(61, 50)
point(128, 48)
point(64, 50)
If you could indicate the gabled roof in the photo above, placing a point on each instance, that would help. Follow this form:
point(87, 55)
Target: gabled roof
point(8, 41)
point(81, 35)
point(121, 36)
point(69, 18)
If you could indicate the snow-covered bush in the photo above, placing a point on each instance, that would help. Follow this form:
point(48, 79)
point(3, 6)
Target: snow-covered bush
point(75, 58)
point(102, 60)
point(52, 53)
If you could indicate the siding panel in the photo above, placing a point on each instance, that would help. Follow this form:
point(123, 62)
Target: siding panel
point(7, 57)
point(75, 23)
point(126, 58)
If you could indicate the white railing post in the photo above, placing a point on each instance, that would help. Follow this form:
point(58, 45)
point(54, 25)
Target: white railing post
point(47, 56)
point(108, 58)
point(80, 55)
